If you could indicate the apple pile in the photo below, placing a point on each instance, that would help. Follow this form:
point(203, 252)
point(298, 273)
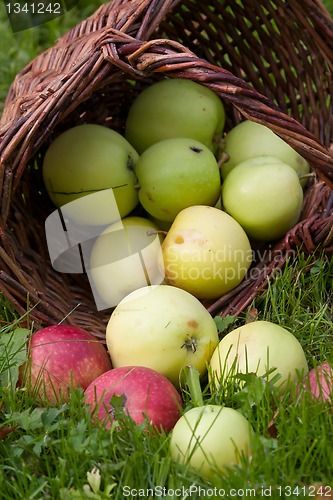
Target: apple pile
point(174, 171)
point(152, 336)
point(181, 231)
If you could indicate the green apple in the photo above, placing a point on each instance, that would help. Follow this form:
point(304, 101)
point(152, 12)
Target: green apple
point(205, 252)
point(174, 107)
point(176, 173)
point(86, 159)
point(127, 255)
point(163, 328)
point(260, 347)
point(266, 198)
point(249, 139)
point(211, 439)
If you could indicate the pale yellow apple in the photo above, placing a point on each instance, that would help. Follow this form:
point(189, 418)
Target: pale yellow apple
point(164, 328)
point(211, 439)
point(126, 256)
point(206, 252)
point(261, 347)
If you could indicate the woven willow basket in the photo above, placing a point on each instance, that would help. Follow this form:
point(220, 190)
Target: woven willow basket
point(270, 62)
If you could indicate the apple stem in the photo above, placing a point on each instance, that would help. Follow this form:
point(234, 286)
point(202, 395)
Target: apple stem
point(307, 176)
point(192, 380)
point(223, 159)
point(152, 232)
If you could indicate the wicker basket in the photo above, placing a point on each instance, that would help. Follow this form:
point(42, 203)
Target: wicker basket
point(270, 62)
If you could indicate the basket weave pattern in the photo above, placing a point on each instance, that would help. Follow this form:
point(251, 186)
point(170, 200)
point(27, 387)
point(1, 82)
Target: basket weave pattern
point(270, 62)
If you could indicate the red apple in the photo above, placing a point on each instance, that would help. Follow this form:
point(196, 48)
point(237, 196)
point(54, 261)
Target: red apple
point(62, 357)
point(319, 383)
point(145, 394)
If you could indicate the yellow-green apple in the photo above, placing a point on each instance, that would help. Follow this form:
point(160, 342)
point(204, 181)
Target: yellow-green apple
point(60, 358)
point(261, 347)
point(127, 255)
point(266, 198)
point(140, 392)
point(175, 107)
point(86, 159)
point(205, 252)
point(176, 173)
point(161, 327)
point(248, 139)
point(211, 439)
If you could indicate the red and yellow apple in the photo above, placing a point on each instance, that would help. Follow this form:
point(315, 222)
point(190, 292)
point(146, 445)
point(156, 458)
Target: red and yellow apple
point(60, 358)
point(143, 394)
point(318, 383)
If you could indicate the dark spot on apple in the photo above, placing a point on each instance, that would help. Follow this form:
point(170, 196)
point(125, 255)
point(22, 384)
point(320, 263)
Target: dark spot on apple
point(150, 196)
point(179, 240)
point(190, 344)
point(130, 163)
point(193, 324)
point(195, 149)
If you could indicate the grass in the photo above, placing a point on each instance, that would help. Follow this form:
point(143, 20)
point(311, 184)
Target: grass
point(57, 453)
